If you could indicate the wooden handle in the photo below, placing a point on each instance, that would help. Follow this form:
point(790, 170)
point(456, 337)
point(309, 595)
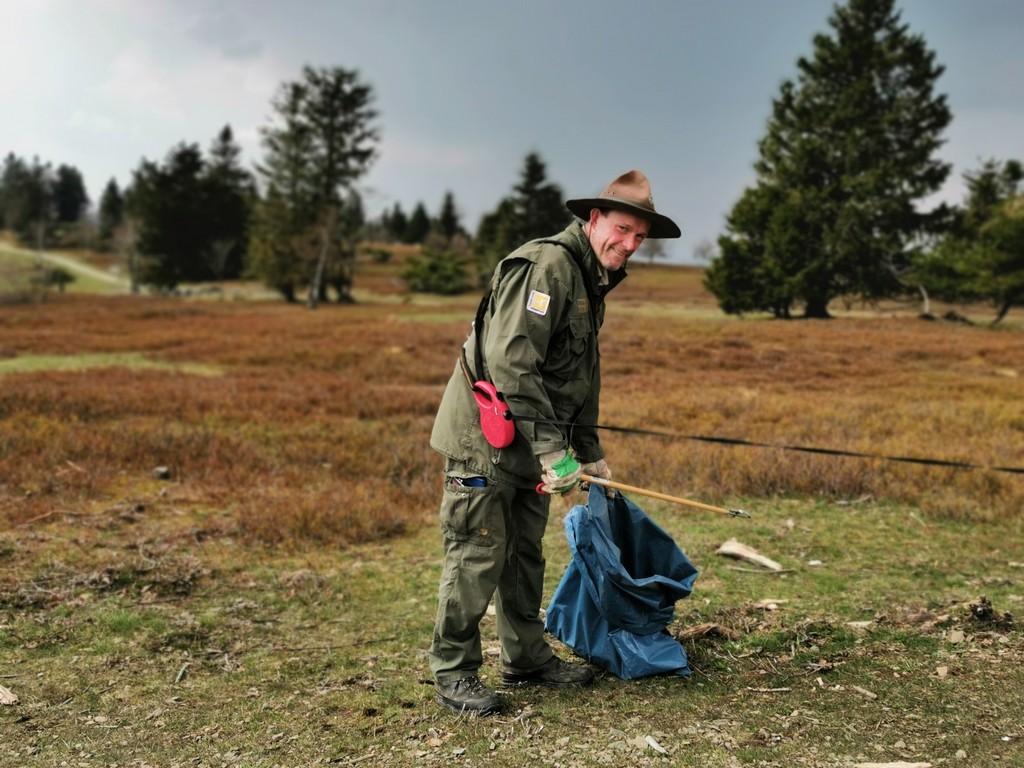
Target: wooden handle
point(663, 496)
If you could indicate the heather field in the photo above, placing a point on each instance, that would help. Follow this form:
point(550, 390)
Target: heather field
point(218, 541)
point(311, 426)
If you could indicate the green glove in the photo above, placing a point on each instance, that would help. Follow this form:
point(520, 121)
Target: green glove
point(559, 472)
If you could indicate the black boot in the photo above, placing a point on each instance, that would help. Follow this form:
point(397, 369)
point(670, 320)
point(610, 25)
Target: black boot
point(555, 673)
point(468, 695)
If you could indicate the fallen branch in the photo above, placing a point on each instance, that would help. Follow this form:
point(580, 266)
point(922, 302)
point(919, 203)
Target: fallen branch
point(733, 548)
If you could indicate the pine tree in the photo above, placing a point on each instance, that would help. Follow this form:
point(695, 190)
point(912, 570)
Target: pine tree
point(397, 222)
point(229, 192)
point(418, 226)
point(982, 258)
point(539, 206)
point(323, 140)
point(28, 204)
point(69, 195)
point(849, 151)
point(448, 219)
point(536, 208)
point(167, 201)
point(111, 213)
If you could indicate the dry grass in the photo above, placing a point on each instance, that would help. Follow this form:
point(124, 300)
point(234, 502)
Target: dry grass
point(304, 424)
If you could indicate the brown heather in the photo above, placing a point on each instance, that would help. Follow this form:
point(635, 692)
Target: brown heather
point(289, 427)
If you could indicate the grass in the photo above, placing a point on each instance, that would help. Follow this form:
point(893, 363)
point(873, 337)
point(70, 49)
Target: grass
point(18, 266)
point(133, 360)
point(270, 602)
point(153, 643)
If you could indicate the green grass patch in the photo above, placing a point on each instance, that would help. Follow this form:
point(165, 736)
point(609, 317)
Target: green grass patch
point(19, 266)
point(34, 363)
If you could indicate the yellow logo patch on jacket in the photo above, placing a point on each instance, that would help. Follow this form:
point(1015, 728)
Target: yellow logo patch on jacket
point(538, 302)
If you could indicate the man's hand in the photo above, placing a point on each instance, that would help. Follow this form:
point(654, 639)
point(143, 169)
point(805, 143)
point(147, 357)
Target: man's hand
point(597, 468)
point(559, 472)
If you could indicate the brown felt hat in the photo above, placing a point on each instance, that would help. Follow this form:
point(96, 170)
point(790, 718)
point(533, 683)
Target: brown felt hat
point(631, 192)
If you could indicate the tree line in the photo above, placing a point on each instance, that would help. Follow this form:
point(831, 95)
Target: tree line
point(294, 223)
point(847, 159)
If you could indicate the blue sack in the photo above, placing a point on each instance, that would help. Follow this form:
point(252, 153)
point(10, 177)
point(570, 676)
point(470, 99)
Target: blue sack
point(618, 595)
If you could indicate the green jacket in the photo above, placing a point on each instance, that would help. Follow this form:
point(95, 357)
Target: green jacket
point(540, 350)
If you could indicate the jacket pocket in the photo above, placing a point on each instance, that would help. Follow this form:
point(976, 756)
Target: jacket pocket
point(570, 349)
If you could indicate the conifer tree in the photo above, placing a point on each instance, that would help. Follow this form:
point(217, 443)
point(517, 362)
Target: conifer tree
point(167, 201)
point(27, 199)
point(849, 151)
point(111, 213)
point(229, 192)
point(323, 139)
point(536, 208)
point(418, 226)
point(448, 219)
point(397, 222)
point(982, 258)
point(69, 195)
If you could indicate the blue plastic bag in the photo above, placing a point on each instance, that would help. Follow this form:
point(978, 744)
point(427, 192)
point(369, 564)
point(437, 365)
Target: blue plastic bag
point(618, 595)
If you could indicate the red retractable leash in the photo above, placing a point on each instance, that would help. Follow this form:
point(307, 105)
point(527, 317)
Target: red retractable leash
point(495, 417)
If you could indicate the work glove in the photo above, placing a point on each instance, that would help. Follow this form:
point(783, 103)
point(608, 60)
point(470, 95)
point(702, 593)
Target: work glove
point(559, 472)
point(599, 471)
point(597, 468)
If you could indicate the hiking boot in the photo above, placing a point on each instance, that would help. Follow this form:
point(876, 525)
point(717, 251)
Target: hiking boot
point(468, 695)
point(555, 673)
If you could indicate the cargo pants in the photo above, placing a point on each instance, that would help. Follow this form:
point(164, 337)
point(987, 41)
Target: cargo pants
point(492, 547)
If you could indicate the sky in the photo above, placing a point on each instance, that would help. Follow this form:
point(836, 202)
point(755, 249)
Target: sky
point(465, 89)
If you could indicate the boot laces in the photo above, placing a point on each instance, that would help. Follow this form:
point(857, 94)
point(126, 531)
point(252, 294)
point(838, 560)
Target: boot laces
point(473, 685)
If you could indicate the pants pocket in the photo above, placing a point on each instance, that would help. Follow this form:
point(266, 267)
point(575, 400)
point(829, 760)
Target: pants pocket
point(467, 512)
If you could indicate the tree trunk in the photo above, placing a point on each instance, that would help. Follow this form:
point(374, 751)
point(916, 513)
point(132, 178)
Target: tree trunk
point(817, 309)
point(1003, 309)
point(926, 308)
point(317, 289)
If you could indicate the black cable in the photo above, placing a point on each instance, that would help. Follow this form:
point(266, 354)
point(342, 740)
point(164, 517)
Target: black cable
point(799, 448)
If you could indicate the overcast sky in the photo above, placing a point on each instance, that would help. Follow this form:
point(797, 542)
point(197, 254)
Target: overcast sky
point(680, 89)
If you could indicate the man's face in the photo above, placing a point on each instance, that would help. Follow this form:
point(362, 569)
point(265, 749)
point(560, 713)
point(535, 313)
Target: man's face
point(615, 236)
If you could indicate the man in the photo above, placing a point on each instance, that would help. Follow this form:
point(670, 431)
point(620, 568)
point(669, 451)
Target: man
point(535, 343)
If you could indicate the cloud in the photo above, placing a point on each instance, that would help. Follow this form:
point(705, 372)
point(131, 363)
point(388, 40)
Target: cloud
point(208, 87)
point(225, 32)
point(95, 123)
point(137, 80)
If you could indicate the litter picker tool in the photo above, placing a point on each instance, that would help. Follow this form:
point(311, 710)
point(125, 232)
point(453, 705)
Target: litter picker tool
point(663, 496)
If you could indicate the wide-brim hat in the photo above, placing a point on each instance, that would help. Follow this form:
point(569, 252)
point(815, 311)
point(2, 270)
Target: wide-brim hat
point(631, 192)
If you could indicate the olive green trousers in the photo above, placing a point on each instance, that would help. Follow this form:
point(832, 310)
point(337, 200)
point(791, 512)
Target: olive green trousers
point(492, 548)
